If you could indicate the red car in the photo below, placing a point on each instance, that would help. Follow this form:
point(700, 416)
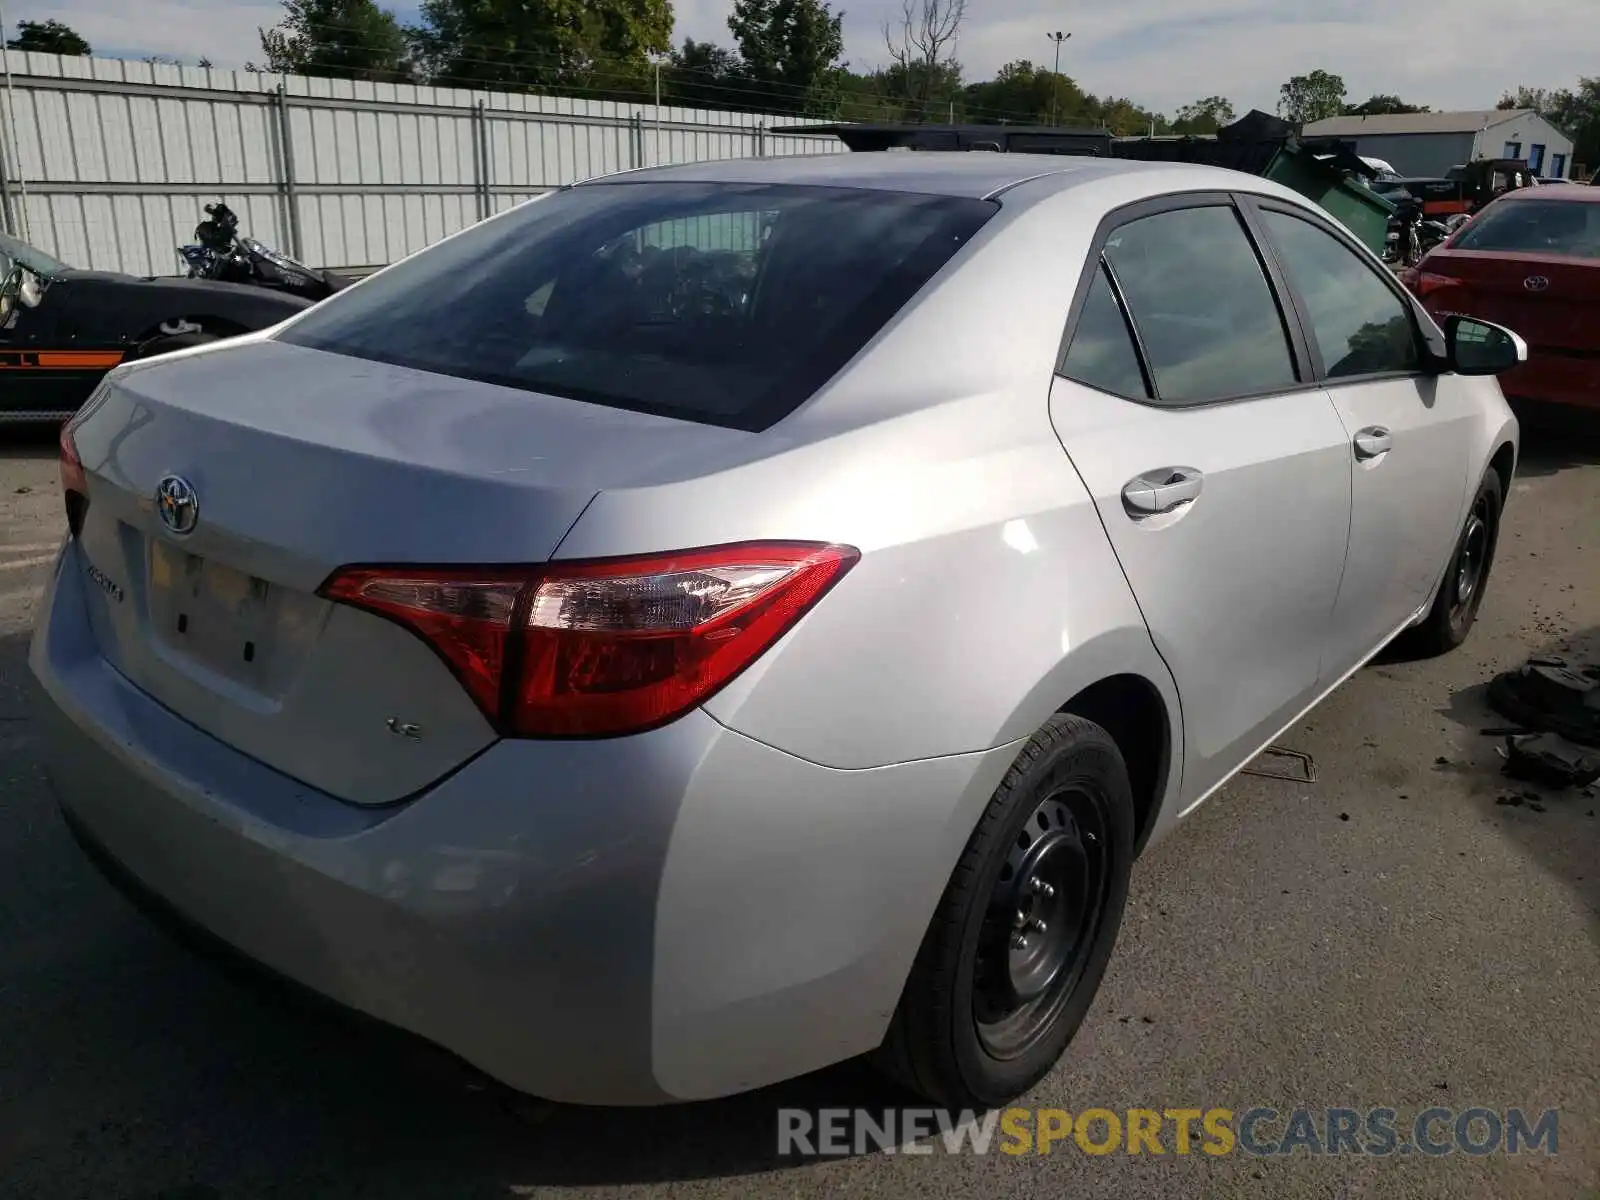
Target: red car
point(1531, 262)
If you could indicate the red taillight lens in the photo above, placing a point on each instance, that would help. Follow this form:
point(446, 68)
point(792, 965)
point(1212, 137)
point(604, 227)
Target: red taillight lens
point(1428, 283)
point(605, 647)
point(74, 486)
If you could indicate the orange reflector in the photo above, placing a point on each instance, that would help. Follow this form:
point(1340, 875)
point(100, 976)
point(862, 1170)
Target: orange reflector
point(78, 360)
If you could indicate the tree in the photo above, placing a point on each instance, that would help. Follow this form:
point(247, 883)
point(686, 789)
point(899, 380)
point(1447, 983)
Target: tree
point(346, 39)
point(1204, 116)
point(48, 37)
point(704, 75)
point(790, 48)
point(1381, 105)
point(1313, 97)
point(927, 29)
point(1537, 99)
point(1023, 94)
point(518, 44)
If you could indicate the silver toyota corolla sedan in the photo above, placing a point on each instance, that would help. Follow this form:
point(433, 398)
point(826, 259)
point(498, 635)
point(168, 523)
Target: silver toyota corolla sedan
point(715, 621)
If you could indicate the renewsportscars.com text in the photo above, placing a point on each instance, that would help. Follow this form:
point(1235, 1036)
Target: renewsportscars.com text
point(1261, 1131)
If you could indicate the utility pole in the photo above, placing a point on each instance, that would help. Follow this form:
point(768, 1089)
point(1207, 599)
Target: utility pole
point(1058, 37)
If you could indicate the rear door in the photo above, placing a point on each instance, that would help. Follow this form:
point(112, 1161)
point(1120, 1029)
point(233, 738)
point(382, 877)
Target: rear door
point(1410, 430)
point(1218, 465)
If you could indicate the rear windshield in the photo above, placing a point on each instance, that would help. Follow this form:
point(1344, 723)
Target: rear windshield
point(1536, 227)
point(721, 303)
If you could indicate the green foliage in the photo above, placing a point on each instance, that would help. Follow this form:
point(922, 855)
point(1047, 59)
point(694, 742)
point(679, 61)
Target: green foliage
point(1312, 97)
point(1023, 94)
point(1382, 105)
point(48, 37)
point(1204, 116)
point(789, 50)
point(344, 39)
point(527, 44)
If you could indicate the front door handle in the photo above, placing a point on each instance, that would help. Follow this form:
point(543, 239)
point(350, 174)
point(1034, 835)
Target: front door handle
point(1373, 441)
point(1162, 491)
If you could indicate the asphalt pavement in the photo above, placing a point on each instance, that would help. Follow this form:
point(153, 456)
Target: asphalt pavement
point(1386, 936)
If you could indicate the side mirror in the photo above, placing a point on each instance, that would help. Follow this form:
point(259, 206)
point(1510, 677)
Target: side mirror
point(1481, 348)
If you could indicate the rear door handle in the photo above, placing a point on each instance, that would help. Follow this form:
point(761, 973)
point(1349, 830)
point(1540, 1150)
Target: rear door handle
point(1162, 491)
point(1373, 441)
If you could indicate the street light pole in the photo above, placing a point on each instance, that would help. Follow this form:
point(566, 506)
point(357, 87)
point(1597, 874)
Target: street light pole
point(1058, 37)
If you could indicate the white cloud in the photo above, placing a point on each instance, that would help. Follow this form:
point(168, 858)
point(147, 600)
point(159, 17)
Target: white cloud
point(1161, 53)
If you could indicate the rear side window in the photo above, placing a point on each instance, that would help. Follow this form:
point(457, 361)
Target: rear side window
point(1536, 227)
point(726, 304)
point(1361, 327)
point(1206, 315)
point(1102, 353)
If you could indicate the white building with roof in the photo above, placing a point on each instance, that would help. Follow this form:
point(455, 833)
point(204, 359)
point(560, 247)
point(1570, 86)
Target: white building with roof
point(1426, 145)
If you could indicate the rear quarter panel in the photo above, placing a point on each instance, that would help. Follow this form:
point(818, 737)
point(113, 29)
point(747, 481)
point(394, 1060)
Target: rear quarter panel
point(986, 595)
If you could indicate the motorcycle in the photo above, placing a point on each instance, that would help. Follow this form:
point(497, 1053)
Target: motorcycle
point(220, 253)
point(1411, 235)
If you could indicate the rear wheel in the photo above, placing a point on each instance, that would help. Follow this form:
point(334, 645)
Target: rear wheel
point(1023, 934)
point(1455, 608)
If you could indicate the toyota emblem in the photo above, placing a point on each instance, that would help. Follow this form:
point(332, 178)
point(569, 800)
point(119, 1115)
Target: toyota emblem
point(178, 505)
point(1536, 283)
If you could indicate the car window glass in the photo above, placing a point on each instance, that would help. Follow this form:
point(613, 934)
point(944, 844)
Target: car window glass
point(729, 304)
point(1102, 354)
point(1206, 314)
point(1361, 327)
point(1536, 227)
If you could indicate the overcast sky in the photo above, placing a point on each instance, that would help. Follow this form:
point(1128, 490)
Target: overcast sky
point(1161, 53)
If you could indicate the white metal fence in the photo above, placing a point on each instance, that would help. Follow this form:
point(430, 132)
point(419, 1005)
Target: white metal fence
point(107, 163)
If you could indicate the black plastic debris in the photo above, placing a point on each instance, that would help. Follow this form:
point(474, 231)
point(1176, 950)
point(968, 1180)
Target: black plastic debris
point(1551, 760)
point(1545, 695)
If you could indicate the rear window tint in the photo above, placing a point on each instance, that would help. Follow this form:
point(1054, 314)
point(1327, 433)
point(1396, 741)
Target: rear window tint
point(726, 304)
point(1536, 227)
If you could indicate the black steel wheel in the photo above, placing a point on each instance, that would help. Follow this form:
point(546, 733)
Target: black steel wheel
point(1022, 936)
point(1455, 608)
point(1043, 917)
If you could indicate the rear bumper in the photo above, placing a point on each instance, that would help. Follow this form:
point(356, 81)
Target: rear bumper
point(675, 916)
point(1554, 378)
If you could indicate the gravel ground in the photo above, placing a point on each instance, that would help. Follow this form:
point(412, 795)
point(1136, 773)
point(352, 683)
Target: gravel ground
point(1386, 936)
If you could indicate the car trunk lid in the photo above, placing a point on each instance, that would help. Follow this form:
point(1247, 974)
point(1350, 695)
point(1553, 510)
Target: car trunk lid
point(1551, 301)
point(299, 463)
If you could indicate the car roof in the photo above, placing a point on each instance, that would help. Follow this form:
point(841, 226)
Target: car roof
point(1566, 190)
point(975, 174)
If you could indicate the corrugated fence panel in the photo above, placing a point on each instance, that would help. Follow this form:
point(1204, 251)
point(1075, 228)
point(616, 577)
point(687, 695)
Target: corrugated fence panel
point(117, 159)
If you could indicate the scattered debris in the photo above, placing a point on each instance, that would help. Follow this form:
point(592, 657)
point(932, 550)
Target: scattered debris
point(1556, 741)
point(1551, 760)
point(1548, 696)
point(1307, 772)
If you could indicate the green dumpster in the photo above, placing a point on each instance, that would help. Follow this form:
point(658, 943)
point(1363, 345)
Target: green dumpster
point(1345, 197)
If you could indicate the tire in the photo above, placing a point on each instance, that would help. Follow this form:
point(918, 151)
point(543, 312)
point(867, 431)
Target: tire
point(1451, 618)
point(948, 1040)
point(165, 344)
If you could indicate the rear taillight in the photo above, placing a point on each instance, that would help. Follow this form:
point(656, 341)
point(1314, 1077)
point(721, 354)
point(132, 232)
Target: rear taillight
point(74, 486)
point(603, 647)
point(1427, 283)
